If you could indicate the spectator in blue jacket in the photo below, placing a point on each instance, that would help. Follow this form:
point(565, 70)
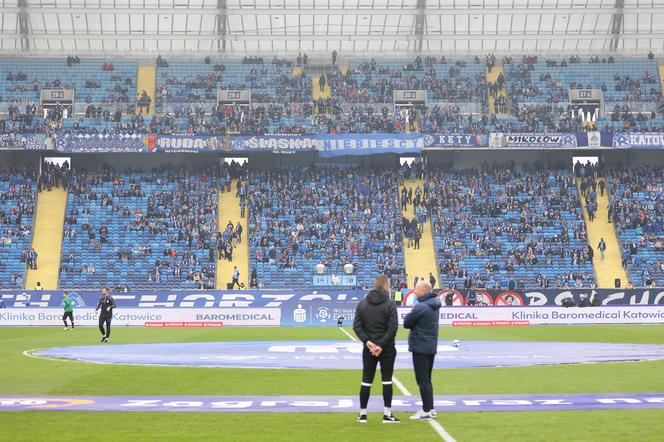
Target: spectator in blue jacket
point(423, 344)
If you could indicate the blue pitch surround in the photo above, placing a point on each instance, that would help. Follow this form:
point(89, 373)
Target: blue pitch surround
point(347, 355)
point(332, 404)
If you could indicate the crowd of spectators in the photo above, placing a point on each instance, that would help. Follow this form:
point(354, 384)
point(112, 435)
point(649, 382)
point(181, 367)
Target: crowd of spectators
point(530, 81)
point(498, 223)
point(17, 208)
point(637, 208)
point(145, 229)
point(22, 122)
point(268, 84)
point(361, 99)
point(299, 219)
point(373, 82)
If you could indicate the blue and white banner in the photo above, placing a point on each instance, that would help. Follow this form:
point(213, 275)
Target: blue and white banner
point(456, 140)
point(275, 144)
point(187, 143)
point(86, 143)
point(639, 140)
point(177, 299)
point(531, 140)
point(594, 139)
point(335, 280)
point(369, 144)
point(326, 145)
point(546, 315)
point(140, 317)
point(25, 142)
point(277, 298)
point(318, 313)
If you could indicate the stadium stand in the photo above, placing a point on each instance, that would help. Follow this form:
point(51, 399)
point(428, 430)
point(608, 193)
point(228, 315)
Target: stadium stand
point(17, 208)
point(539, 91)
point(187, 92)
point(299, 219)
point(140, 230)
point(460, 98)
point(638, 211)
point(96, 81)
point(497, 226)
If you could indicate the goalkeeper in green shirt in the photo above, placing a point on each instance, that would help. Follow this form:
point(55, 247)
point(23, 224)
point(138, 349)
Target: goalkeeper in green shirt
point(69, 310)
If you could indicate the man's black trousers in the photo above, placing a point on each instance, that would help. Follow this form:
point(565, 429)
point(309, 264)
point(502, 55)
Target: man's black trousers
point(105, 320)
point(369, 364)
point(423, 365)
point(69, 315)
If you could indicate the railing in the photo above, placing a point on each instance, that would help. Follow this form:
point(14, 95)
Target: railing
point(79, 107)
point(635, 107)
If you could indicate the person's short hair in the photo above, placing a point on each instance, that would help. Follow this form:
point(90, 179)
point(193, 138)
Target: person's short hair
point(380, 281)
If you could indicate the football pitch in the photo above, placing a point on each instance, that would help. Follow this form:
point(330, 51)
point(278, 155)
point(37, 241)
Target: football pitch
point(28, 376)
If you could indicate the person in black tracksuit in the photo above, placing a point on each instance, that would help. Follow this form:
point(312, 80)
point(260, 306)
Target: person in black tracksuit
point(423, 343)
point(376, 326)
point(106, 304)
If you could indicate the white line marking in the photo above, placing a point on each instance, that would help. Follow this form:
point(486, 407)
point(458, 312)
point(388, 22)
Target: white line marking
point(400, 386)
point(353, 338)
point(447, 437)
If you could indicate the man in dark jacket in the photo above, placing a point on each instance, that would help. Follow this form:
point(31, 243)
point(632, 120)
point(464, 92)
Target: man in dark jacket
point(106, 304)
point(423, 344)
point(376, 326)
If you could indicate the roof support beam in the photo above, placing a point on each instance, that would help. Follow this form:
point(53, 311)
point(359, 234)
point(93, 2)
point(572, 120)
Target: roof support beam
point(24, 25)
point(221, 25)
point(616, 24)
point(420, 17)
point(345, 37)
point(289, 10)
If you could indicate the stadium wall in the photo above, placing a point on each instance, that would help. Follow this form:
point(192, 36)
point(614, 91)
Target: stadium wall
point(327, 308)
point(458, 158)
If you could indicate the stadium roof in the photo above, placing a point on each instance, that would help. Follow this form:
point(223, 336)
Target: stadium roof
point(135, 27)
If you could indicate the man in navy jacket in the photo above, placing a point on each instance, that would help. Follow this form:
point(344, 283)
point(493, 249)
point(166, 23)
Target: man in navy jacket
point(423, 344)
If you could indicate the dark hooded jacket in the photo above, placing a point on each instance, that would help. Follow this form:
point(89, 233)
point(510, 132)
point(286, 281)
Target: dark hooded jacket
point(376, 319)
point(423, 324)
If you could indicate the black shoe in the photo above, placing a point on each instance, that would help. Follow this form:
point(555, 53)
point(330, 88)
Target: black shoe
point(361, 419)
point(391, 419)
point(102, 338)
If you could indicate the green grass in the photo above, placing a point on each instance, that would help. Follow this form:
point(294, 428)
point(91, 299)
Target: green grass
point(22, 375)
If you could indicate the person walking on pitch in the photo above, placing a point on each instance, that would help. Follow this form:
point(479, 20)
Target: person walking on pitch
point(376, 326)
point(69, 310)
point(423, 344)
point(106, 304)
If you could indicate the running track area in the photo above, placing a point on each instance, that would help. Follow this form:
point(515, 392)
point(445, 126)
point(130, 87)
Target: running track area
point(330, 404)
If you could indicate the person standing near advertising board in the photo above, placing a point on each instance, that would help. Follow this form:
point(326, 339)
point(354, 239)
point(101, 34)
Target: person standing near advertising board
point(69, 310)
point(423, 344)
point(106, 304)
point(376, 326)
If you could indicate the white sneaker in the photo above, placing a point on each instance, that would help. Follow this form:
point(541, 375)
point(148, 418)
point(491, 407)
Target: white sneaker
point(66, 328)
point(421, 416)
point(433, 413)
